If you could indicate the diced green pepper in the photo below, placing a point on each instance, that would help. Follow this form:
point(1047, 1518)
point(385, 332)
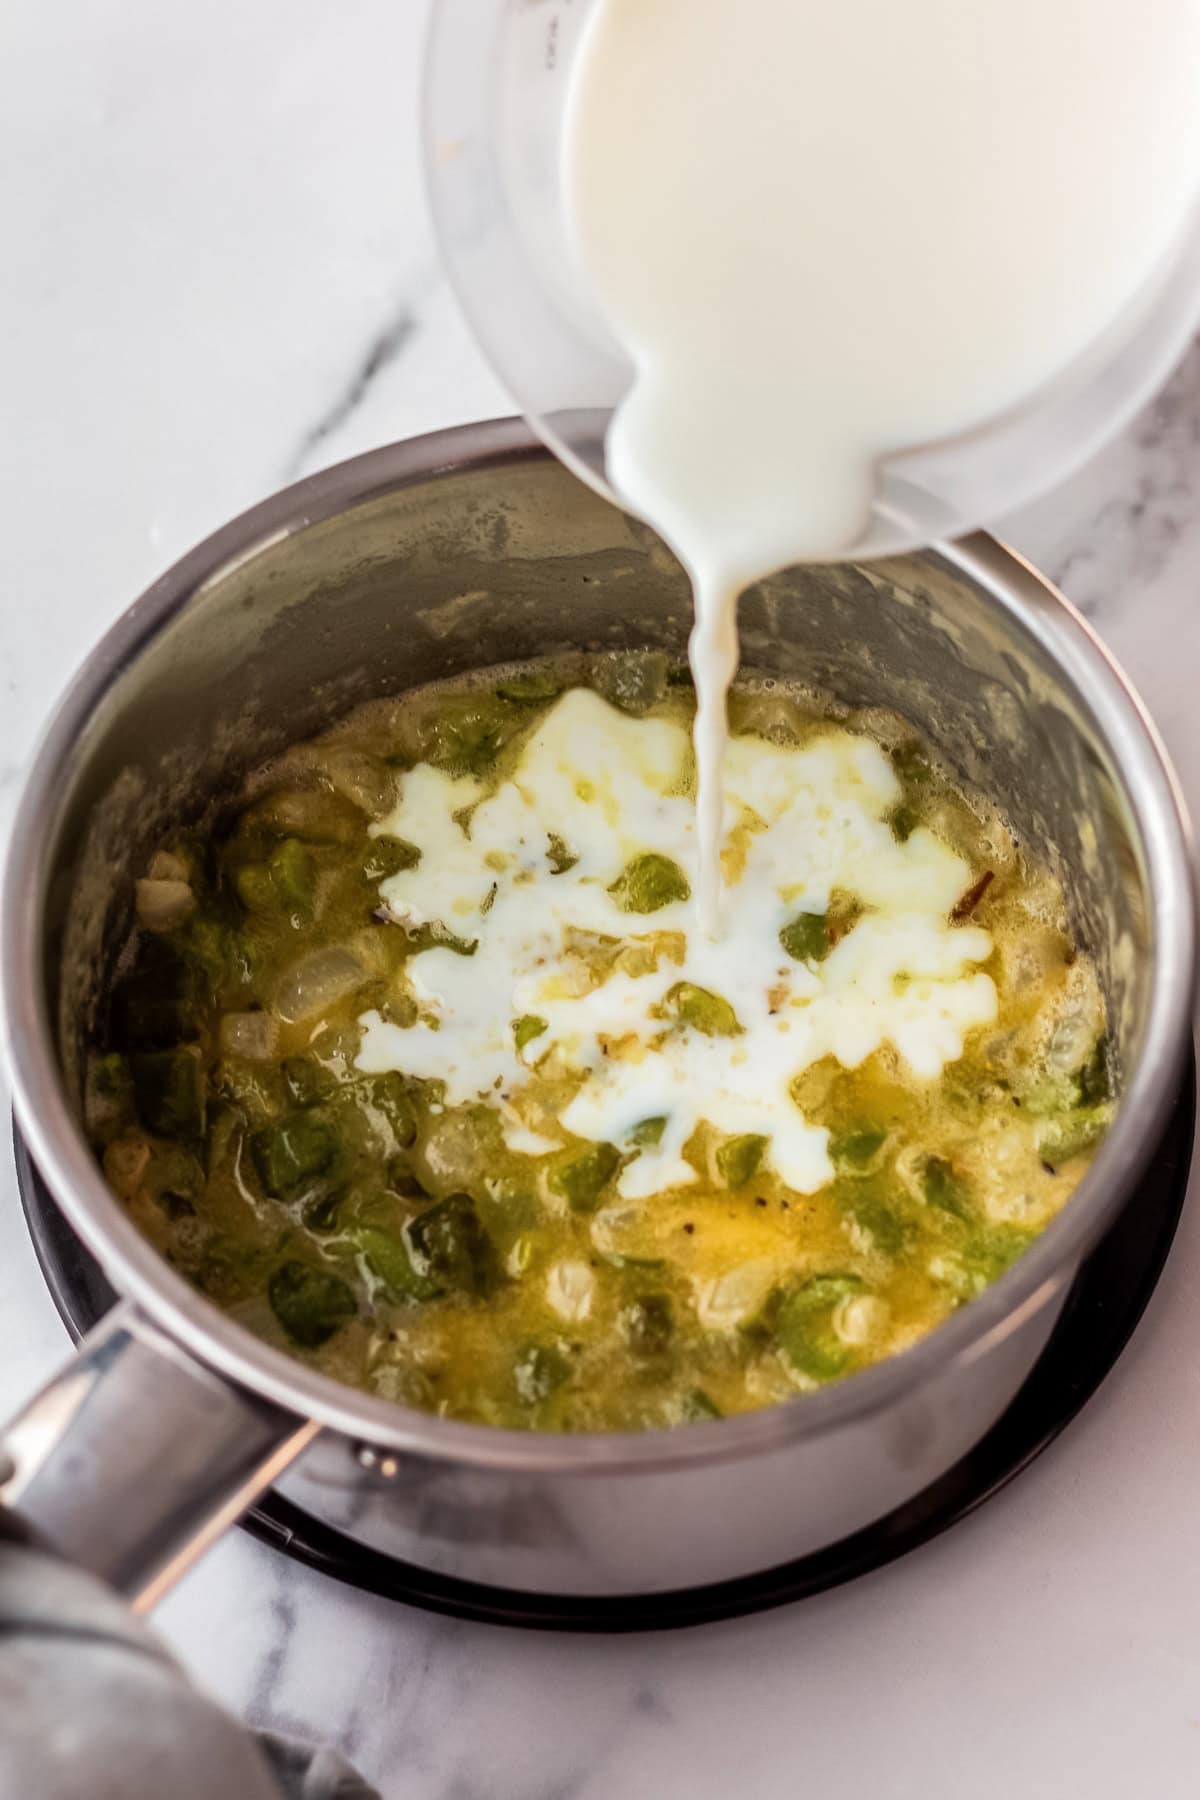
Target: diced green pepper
point(558, 855)
point(538, 1371)
point(256, 1087)
point(634, 680)
point(739, 1158)
point(170, 1090)
point(436, 936)
point(1071, 1133)
point(649, 883)
point(387, 856)
point(857, 1147)
point(256, 890)
point(701, 1010)
point(648, 1132)
point(291, 1154)
point(526, 686)
point(696, 1406)
point(323, 1213)
point(307, 1081)
point(470, 731)
point(806, 937)
point(388, 1094)
point(390, 1261)
point(884, 1226)
point(526, 1028)
point(311, 1304)
point(1095, 1077)
point(903, 820)
point(449, 1247)
point(803, 1329)
point(647, 1325)
point(912, 765)
point(945, 1188)
point(982, 1260)
point(581, 1180)
point(295, 877)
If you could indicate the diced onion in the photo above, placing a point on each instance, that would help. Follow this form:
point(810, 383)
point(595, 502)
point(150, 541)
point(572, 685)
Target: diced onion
point(163, 905)
point(254, 1035)
point(314, 984)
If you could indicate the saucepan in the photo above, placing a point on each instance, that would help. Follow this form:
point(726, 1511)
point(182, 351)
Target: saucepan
point(419, 561)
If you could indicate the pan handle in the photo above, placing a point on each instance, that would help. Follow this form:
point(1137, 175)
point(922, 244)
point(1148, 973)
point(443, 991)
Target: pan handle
point(134, 1459)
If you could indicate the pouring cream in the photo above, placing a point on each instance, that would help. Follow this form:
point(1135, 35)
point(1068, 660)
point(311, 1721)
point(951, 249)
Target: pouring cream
point(829, 234)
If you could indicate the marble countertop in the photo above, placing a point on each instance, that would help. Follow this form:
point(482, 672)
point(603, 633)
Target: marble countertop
point(219, 275)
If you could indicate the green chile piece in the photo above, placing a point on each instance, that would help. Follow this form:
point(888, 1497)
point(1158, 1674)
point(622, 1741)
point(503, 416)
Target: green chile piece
point(903, 820)
point(581, 1180)
point(806, 937)
point(294, 875)
point(697, 1406)
point(388, 1094)
point(648, 1132)
point(470, 731)
point(701, 1010)
point(1095, 1077)
point(647, 1324)
point(538, 1371)
point(982, 1260)
point(857, 1147)
point(559, 855)
point(803, 1327)
point(307, 1081)
point(649, 883)
point(739, 1158)
point(386, 856)
point(255, 889)
point(633, 680)
point(528, 686)
point(1071, 1133)
point(323, 1214)
point(390, 1261)
point(436, 936)
point(294, 1152)
point(170, 1091)
point(527, 1028)
point(884, 1226)
point(311, 1304)
point(256, 1087)
point(449, 1248)
point(944, 1188)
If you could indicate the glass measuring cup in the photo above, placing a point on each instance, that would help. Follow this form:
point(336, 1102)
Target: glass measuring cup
point(497, 81)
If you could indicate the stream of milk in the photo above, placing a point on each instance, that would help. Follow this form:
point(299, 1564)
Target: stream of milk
point(826, 233)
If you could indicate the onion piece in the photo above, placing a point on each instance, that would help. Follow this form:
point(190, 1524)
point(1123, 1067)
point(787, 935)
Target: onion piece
point(314, 984)
point(163, 905)
point(254, 1035)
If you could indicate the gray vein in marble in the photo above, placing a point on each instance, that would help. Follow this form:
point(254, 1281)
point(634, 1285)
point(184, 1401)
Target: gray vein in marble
point(389, 342)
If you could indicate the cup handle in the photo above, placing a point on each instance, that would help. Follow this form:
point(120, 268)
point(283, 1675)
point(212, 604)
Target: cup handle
point(135, 1458)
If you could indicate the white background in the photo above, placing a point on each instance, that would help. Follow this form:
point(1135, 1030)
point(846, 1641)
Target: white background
point(212, 224)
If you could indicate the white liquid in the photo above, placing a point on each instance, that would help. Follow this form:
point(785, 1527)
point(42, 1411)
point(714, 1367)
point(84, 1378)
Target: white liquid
point(831, 230)
point(809, 820)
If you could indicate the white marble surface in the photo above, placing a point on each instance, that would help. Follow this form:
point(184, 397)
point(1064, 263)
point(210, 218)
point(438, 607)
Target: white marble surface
point(218, 274)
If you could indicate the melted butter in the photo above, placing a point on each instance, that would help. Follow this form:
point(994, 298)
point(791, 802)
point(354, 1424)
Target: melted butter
point(797, 824)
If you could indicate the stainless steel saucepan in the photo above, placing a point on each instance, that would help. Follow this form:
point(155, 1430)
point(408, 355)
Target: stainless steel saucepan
point(435, 556)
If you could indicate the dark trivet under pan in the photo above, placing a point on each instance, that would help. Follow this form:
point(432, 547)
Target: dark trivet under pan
point(1107, 1300)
